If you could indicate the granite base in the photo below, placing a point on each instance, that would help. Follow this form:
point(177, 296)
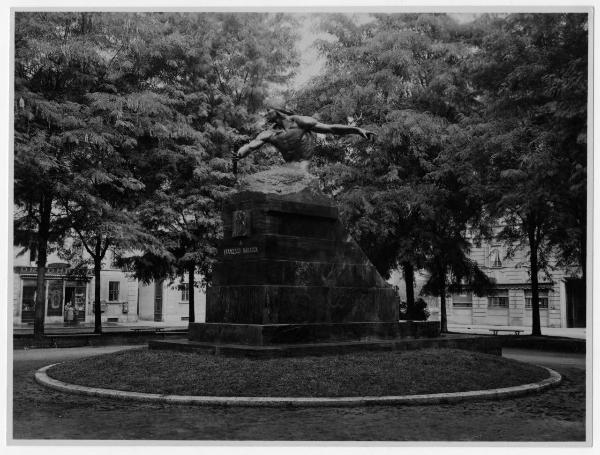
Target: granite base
point(272, 334)
point(484, 344)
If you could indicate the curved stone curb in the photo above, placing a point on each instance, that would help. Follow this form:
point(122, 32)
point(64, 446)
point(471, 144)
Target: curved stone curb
point(436, 398)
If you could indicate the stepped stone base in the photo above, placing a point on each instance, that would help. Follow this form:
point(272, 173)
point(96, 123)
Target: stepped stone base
point(289, 273)
point(273, 334)
point(485, 344)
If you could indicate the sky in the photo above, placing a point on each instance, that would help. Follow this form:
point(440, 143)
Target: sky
point(311, 62)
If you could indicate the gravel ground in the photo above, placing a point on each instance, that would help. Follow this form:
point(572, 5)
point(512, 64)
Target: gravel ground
point(40, 413)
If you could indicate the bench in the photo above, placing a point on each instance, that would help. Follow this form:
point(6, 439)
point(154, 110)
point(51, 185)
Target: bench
point(149, 330)
point(515, 331)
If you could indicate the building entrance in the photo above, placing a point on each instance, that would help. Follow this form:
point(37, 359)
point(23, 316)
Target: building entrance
point(28, 301)
point(575, 288)
point(75, 298)
point(158, 301)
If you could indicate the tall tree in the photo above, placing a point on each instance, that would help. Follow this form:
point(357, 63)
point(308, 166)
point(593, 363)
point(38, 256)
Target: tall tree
point(83, 95)
point(53, 70)
point(400, 75)
point(531, 78)
point(217, 70)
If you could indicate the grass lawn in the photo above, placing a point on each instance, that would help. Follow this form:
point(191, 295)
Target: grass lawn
point(359, 374)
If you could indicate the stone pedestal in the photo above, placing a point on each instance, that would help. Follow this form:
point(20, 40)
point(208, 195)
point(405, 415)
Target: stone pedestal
point(288, 272)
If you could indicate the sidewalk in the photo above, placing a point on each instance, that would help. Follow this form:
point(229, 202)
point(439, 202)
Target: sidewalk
point(578, 333)
point(107, 327)
point(55, 329)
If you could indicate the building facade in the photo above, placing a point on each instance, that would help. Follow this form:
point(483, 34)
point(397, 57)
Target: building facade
point(561, 294)
point(123, 299)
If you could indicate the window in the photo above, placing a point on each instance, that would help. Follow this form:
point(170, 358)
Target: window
point(542, 299)
point(185, 292)
point(498, 299)
point(464, 300)
point(113, 291)
point(495, 260)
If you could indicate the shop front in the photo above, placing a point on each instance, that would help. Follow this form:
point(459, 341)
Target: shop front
point(66, 294)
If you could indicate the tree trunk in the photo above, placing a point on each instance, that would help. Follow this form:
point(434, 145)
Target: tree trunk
point(409, 281)
point(97, 270)
point(443, 316)
point(192, 313)
point(42, 256)
point(38, 322)
point(535, 303)
point(583, 254)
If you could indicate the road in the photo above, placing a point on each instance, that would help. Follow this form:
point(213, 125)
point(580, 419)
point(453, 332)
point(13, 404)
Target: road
point(547, 359)
point(40, 413)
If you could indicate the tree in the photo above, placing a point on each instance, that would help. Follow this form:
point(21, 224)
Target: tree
point(53, 68)
point(37, 225)
point(531, 78)
point(402, 76)
point(447, 263)
point(82, 94)
point(101, 223)
point(217, 70)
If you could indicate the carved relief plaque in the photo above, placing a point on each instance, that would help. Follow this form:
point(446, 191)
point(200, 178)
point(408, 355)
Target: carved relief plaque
point(241, 223)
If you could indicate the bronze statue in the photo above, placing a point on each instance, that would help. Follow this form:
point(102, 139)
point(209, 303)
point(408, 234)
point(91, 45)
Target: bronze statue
point(293, 136)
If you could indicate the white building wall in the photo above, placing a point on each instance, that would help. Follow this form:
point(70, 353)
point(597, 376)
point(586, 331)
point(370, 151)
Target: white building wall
point(122, 309)
point(459, 314)
point(177, 310)
point(517, 306)
point(174, 310)
point(17, 294)
point(146, 301)
point(135, 301)
point(513, 276)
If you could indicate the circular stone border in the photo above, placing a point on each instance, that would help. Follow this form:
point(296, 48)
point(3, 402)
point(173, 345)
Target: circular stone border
point(436, 398)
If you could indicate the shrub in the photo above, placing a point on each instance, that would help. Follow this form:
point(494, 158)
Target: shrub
point(418, 312)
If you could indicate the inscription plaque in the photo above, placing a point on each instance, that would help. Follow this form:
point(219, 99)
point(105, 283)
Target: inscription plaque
point(240, 250)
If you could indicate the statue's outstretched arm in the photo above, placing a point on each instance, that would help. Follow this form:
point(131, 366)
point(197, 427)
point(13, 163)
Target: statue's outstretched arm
point(255, 144)
point(312, 124)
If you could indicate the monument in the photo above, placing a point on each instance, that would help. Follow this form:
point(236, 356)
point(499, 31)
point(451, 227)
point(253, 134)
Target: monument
point(288, 273)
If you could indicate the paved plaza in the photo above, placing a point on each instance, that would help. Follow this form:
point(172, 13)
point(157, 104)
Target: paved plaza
point(40, 413)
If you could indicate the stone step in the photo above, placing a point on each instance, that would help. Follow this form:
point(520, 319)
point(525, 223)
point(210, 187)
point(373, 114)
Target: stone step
point(267, 334)
point(288, 272)
point(487, 345)
point(279, 304)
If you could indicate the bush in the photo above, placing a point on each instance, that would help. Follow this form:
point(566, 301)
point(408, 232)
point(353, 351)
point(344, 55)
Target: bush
point(418, 312)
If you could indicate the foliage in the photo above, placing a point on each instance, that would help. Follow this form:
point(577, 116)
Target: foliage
point(531, 79)
point(216, 71)
point(416, 312)
point(54, 69)
point(410, 195)
point(126, 122)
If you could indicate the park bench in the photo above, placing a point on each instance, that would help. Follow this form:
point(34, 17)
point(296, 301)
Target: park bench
point(149, 330)
point(515, 331)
